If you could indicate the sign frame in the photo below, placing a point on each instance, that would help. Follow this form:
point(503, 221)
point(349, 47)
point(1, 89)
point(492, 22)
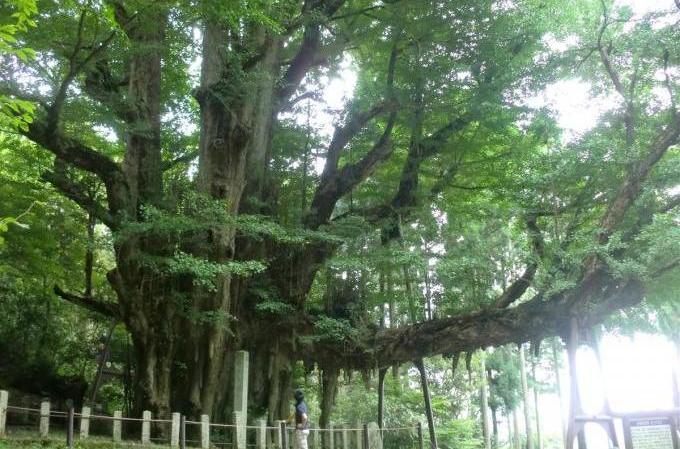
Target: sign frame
point(629, 418)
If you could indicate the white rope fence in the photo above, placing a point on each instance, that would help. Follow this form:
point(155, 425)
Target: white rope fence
point(204, 434)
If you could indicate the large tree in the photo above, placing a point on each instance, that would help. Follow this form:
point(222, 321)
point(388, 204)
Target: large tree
point(185, 113)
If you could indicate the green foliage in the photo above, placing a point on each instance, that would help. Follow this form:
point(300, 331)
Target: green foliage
point(334, 330)
point(16, 112)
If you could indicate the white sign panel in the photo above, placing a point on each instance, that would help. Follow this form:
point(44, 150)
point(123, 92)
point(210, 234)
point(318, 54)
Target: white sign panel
point(651, 433)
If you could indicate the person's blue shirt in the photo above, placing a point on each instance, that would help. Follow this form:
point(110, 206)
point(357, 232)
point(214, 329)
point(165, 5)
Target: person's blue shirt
point(301, 409)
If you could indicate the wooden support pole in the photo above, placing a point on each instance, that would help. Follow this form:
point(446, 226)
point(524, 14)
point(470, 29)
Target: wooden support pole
point(381, 397)
point(344, 434)
point(174, 431)
point(69, 428)
point(241, 363)
point(240, 429)
point(358, 437)
point(117, 426)
point(146, 427)
point(182, 432)
point(279, 434)
point(85, 422)
point(331, 436)
point(44, 419)
point(261, 434)
point(205, 432)
point(525, 398)
point(284, 434)
point(314, 437)
point(366, 442)
point(428, 404)
point(484, 402)
point(4, 401)
point(574, 430)
point(419, 430)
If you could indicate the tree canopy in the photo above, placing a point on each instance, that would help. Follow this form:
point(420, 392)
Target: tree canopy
point(175, 149)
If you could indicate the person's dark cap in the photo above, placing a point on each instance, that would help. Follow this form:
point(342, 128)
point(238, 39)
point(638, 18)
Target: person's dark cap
point(299, 395)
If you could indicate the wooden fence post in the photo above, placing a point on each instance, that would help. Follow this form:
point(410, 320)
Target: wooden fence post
point(69, 428)
point(240, 430)
point(331, 436)
point(314, 434)
point(345, 437)
point(366, 443)
point(182, 432)
point(205, 431)
point(284, 434)
point(146, 427)
point(419, 430)
point(278, 437)
point(85, 422)
point(117, 426)
point(4, 401)
point(44, 419)
point(261, 434)
point(357, 437)
point(174, 431)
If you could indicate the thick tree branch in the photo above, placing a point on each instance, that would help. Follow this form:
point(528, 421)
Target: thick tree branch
point(335, 185)
point(629, 113)
point(517, 288)
point(77, 193)
point(637, 174)
point(187, 157)
point(75, 153)
point(533, 320)
point(94, 305)
point(306, 55)
point(343, 135)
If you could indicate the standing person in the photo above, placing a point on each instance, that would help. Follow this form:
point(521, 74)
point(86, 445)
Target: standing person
point(301, 420)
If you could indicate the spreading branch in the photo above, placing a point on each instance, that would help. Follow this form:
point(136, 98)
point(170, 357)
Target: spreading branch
point(518, 287)
point(94, 305)
point(629, 113)
point(77, 193)
point(533, 320)
point(80, 156)
point(307, 54)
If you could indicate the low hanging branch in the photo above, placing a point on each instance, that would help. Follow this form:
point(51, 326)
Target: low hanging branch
point(520, 285)
point(94, 305)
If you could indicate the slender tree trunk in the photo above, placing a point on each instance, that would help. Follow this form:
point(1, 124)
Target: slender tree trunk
point(494, 412)
point(494, 427)
point(525, 397)
point(102, 363)
point(428, 404)
point(89, 253)
point(484, 403)
point(328, 389)
point(381, 397)
point(537, 412)
point(556, 370)
point(676, 373)
point(515, 431)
